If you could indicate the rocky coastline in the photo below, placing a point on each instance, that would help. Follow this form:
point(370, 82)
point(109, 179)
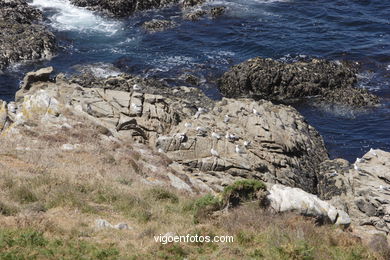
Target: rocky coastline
point(211, 144)
point(206, 145)
point(23, 38)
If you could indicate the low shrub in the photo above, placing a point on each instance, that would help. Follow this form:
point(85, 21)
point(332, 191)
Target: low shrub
point(243, 190)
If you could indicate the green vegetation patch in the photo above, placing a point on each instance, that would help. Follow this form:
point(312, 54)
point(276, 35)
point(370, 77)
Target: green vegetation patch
point(30, 244)
point(244, 190)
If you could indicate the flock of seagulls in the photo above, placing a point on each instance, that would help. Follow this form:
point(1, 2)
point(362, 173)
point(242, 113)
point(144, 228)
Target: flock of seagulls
point(202, 131)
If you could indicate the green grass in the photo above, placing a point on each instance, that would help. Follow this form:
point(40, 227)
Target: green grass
point(30, 244)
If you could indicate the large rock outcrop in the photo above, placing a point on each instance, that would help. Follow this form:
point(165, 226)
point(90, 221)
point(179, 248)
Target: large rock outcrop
point(122, 8)
point(213, 143)
point(273, 80)
point(362, 189)
point(21, 38)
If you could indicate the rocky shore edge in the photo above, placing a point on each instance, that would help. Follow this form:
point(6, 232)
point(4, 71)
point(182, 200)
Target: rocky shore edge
point(22, 37)
point(210, 144)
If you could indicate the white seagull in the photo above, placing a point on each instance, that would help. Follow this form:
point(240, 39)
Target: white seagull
point(255, 112)
point(230, 137)
point(188, 125)
point(356, 167)
point(358, 160)
point(226, 119)
point(136, 87)
point(197, 114)
point(216, 136)
point(202, 110)
point(373, 152)
point(201, 131)
point(247, 143)
point(239, 150)
point(214, 152)
point(181, 136)
point(137, 108)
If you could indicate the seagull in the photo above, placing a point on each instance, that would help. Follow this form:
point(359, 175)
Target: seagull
point(181, 136)
point(11, 107)
point(373, 152)
point(160, 150)
point(216, 136)
point(197, 114)
point(137, 107)
point(333, 174)
point(255, 112)
point(214, 152)
point(188, 125)
point(356, 167)
point(201, 131)
point(226, 119)
point(239, 150)
point(247, 143)
point(136, 87)
point(202, 110)
point(358, 160)
point(230, 137)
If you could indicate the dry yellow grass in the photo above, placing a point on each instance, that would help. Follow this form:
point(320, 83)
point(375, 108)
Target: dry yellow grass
point(53, 197)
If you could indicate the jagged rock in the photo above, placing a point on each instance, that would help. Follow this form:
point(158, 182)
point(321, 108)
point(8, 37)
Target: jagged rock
point(18, 11)
point(3, 114)
point(41, 75)
point(285, 199)
point(264, 141)
point(122, 8)
point(189, 3)
point(279, 141)
point(283, 147)
point(21, 38)
point(194, 15)
point(103, 224)
point(274, 80)
point(156, 25)
point(217, 11)
point(362, 188)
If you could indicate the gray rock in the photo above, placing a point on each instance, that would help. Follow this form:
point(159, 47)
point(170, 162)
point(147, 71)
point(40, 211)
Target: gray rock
point(285, 199)
point(21, 37)
point(156, 25)
point(217, 11)
point(41, 75)
point(361, 188)
point(274, 80)
point(122, 8)
point(283, 147)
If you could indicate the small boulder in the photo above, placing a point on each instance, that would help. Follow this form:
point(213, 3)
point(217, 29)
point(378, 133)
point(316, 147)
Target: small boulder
point(41, 75)
point(157, 25)
point(217, 11)
point(285, 199)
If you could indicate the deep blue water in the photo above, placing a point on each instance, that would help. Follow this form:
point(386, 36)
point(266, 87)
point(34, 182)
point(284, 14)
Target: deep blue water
point(337, 30)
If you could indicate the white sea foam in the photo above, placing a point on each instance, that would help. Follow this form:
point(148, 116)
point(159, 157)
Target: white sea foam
point(99, 69)
point(68, 17)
